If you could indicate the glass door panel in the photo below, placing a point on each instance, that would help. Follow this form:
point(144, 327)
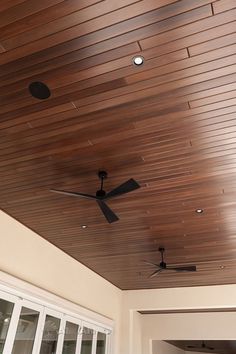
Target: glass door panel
point(70, 338)
point(50, 335)
point(101, 343)
point(87, 341)
point(25, 333)
point(6, 309)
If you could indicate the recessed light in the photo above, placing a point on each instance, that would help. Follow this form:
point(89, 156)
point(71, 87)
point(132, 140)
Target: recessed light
point(138, 60)
point(222, 267)
point(199, 211)
point(84, 226)
point(6, 320)
point(39, 90)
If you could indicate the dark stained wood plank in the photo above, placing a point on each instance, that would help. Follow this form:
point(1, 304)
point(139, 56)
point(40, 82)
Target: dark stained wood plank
point(154, 90)
point(74, 19)
point(213, 44)
point(170, 124)
point(223, 5)
point(6, 4)
point(88, 69)
point(44, 16)
point(24, 9)
point(71, 23)
point(96, 52)
point(198, 61)
point(220, 346)
point(2, 50)
point(212, 99)
point(117, 29)
point(193, 28)
point(84, 68)
point(161, 312)
point(109, 44)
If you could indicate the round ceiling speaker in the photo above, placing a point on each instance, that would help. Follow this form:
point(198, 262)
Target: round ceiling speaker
point(39, 90)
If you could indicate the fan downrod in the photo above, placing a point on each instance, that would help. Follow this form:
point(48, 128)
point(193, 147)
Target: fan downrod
point(102, 175)
point(162, 263)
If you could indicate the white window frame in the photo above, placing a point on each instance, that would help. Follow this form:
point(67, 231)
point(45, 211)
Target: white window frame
point(78, 322)
point(97, 329)
point(108, 339)
point(19, 299)
point(19, 303)
point(55, 314)
point(94, 329)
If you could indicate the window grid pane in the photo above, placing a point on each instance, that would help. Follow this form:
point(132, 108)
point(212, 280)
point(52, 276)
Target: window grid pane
point(101, 343)
point(6, 309)
point(50, 335)
point(70, 338)
point(25, 333)
point(18, 336)
point(87, 341)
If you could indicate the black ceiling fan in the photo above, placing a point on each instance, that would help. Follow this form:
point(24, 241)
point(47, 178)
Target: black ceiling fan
point(162, 266)
point(203, 346)
point(101, 196)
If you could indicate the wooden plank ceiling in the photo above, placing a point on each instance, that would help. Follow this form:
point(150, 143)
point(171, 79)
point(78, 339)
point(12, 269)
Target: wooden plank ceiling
point(218, 346)
point(169, 124)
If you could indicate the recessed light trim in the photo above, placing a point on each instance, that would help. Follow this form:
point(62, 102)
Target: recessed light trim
point(138, 60)
point(84, 226)
point(199, 211)
point(39, 90)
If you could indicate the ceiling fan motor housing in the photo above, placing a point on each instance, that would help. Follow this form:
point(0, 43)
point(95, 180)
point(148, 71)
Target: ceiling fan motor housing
point(163, 265)
point(100, 193)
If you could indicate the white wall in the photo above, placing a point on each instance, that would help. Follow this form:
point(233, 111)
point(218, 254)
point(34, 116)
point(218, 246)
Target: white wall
point(29, 257)
point(177, 298)
point(190, 326)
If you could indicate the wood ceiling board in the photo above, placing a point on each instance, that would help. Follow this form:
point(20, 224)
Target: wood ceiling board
point(221, 6)
point(25, 9)
point(6, 4)
point(169, 124)
point(185, 30)
point(107, 32)
point(167, 312)
point(213, 44)
point(59, 10)
point(220, 346)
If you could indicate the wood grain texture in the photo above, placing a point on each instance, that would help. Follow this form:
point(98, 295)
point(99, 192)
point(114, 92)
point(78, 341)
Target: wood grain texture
point(170, 124)
point(220, 346)
point(168, 312)
point(223, 5)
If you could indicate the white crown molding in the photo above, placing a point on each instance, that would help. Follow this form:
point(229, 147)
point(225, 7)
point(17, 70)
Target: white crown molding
point(30, 292)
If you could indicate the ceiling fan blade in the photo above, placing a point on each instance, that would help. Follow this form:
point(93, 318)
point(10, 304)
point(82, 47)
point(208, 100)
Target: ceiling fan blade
point(107, 212)
point(126, 187)
point(150, 263)
point(155, 273)
point(183, 269)
point(74, 194)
